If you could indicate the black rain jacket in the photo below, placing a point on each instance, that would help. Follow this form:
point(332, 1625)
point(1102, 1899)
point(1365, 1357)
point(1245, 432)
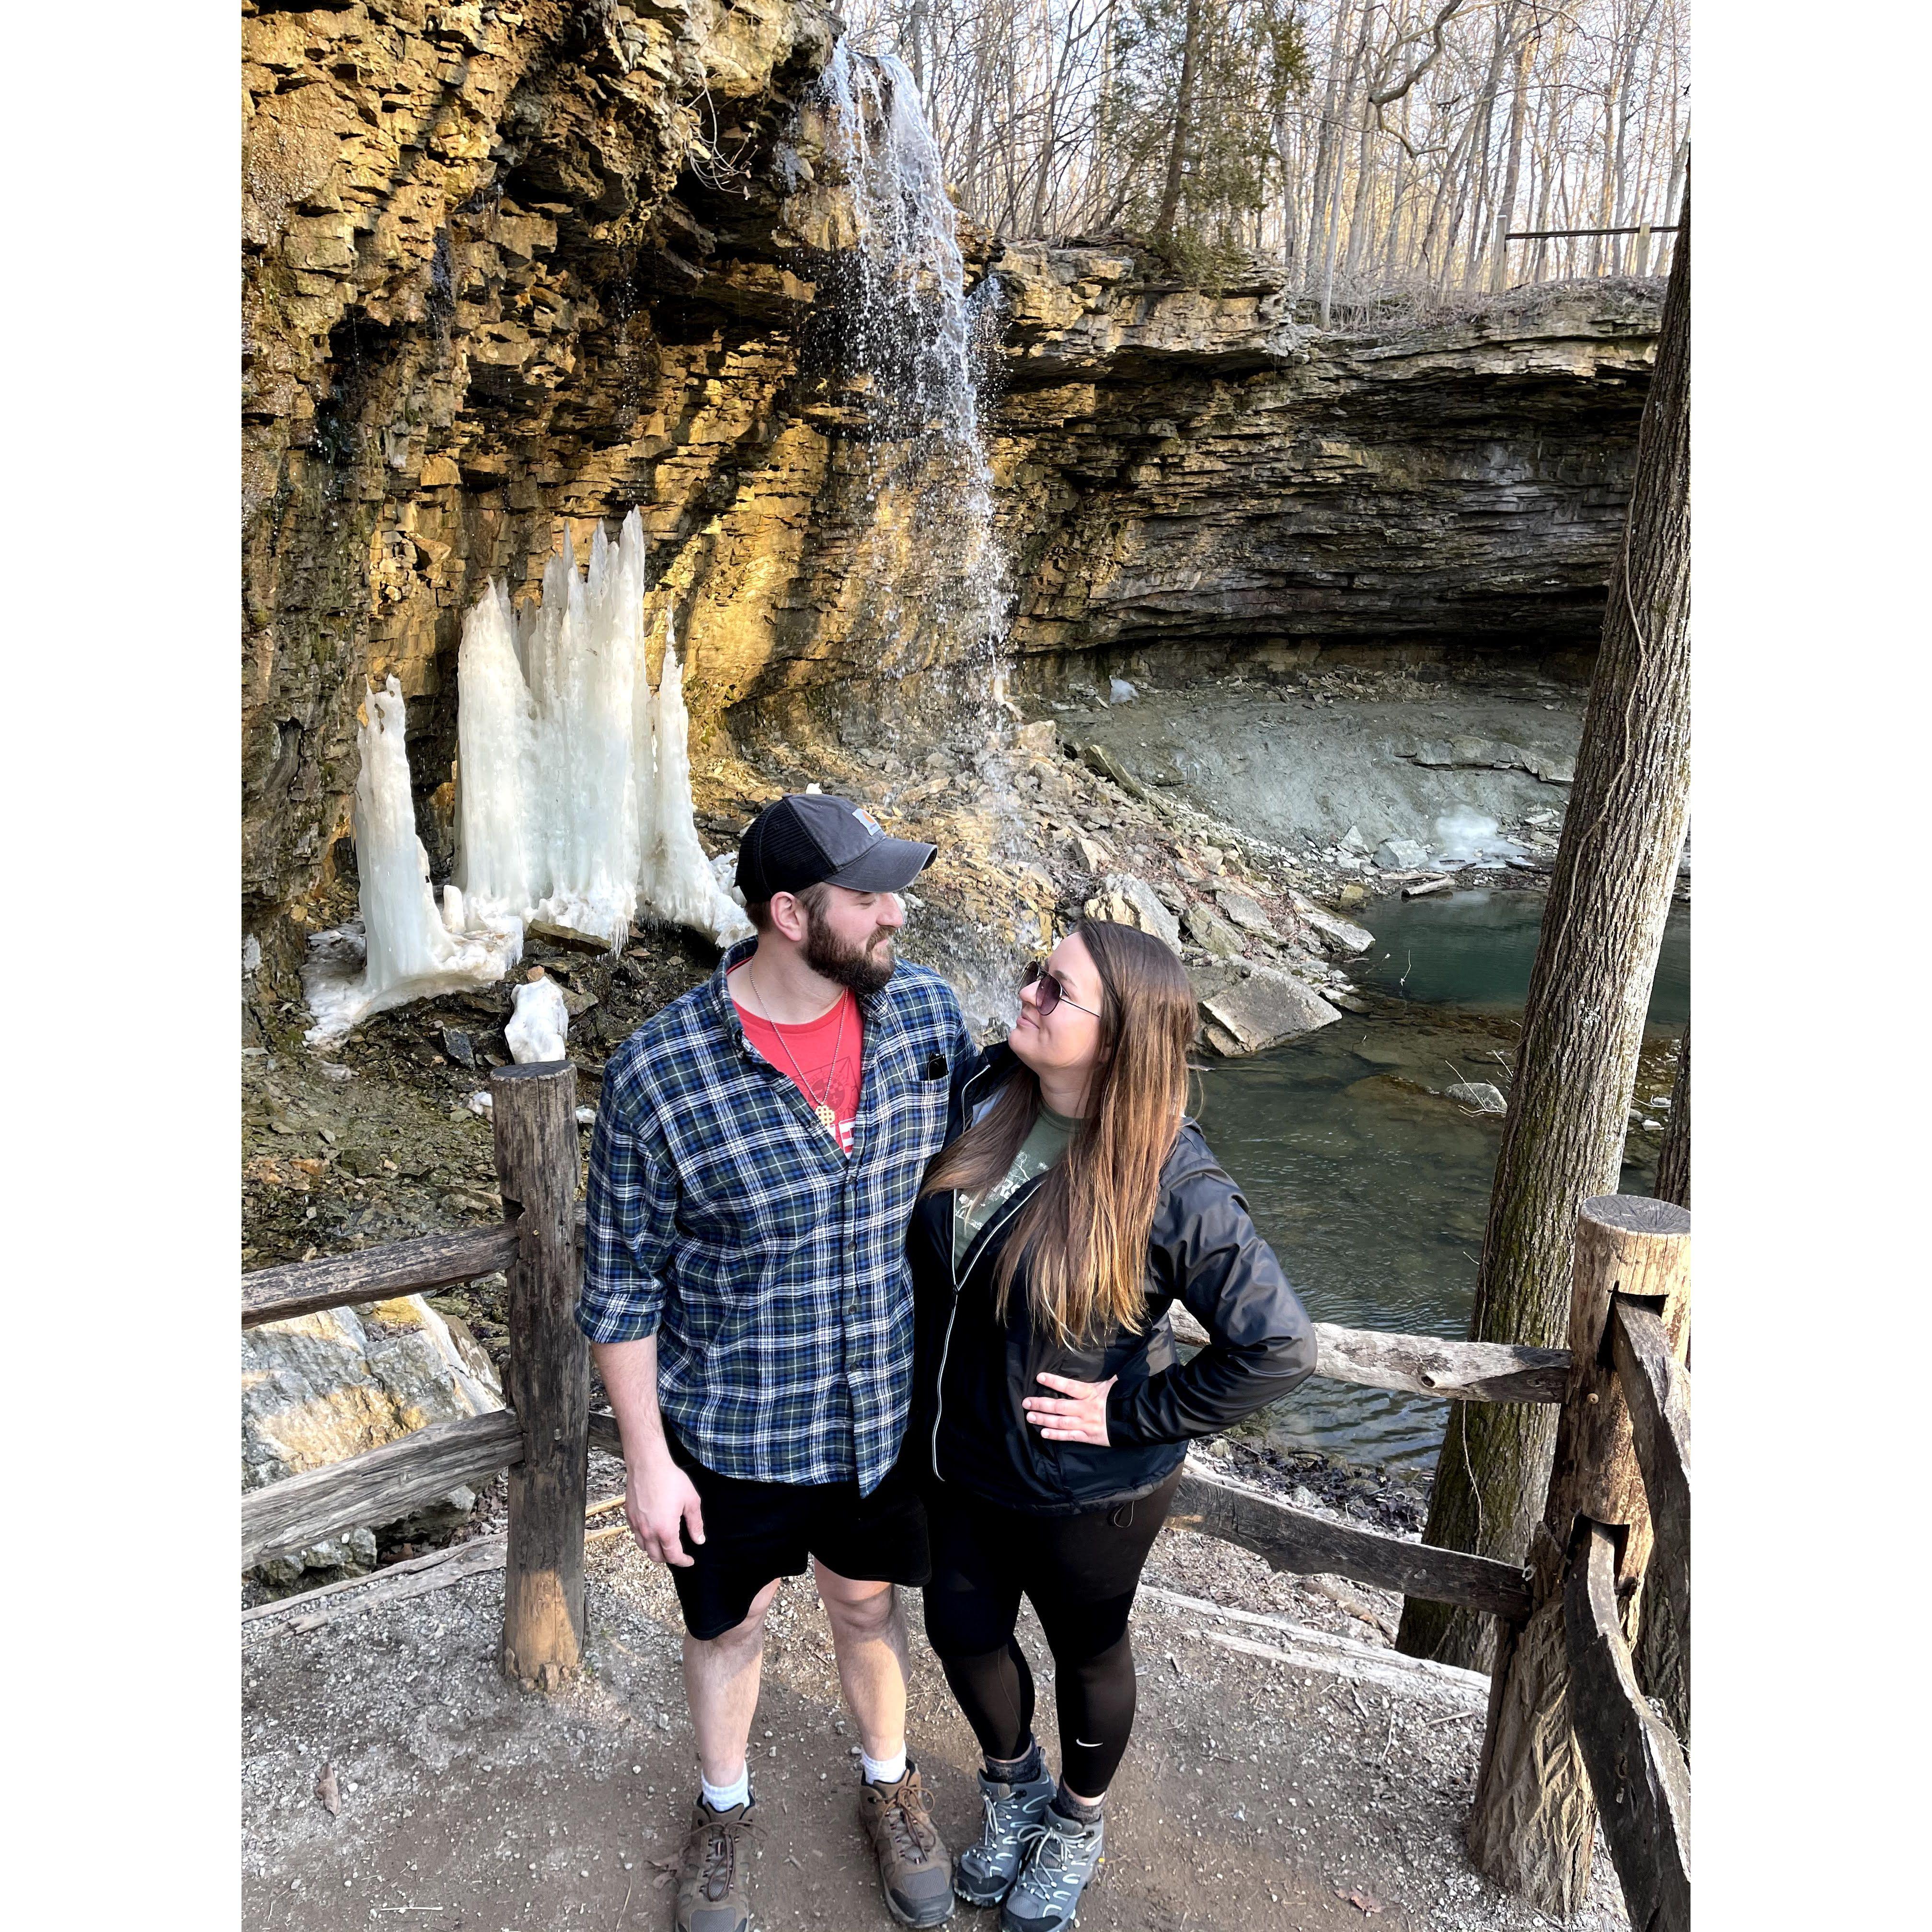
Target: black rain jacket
point(970, 1373)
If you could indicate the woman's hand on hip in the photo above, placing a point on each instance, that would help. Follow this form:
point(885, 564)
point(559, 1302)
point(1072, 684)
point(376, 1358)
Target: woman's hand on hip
point(1077, 1413)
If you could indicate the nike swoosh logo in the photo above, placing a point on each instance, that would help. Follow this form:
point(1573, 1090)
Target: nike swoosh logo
point(1085, 1746)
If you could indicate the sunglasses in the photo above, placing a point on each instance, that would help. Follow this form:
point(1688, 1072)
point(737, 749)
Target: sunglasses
point(1052, 992)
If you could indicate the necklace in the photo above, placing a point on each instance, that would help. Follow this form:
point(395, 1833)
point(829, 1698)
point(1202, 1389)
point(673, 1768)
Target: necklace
point(822, 1108)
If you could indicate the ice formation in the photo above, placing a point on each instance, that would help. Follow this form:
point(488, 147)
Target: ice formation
point(573, 776)
point(680, 885)
point(1463, 835)
point(540, 1025)
point(405, 951)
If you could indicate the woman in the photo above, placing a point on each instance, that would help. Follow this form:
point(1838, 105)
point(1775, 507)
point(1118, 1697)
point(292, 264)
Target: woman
point(1073, 1202)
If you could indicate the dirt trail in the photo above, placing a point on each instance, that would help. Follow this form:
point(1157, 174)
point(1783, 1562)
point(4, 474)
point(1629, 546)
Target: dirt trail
point(1279, 1776)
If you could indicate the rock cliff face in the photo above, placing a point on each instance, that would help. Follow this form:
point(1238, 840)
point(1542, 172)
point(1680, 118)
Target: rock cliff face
point(477, 299)
point(506, 268)
point(1190, 479)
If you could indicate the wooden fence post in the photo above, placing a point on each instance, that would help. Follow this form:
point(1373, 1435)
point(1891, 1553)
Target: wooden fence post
point(534, 1111)
point(1531, 1824)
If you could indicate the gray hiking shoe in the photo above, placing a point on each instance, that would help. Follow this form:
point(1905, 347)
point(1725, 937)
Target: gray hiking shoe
point(983, 1873)
point(1060, 1858)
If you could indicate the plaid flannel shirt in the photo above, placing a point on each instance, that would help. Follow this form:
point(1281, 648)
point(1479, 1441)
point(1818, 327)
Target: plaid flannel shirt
point(771, 1266)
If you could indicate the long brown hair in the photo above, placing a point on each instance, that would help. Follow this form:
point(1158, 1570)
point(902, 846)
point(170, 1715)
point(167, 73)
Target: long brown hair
point(1086, 1227)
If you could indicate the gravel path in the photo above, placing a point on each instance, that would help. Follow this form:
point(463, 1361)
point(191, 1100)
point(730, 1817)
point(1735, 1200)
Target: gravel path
point(1288, 1769)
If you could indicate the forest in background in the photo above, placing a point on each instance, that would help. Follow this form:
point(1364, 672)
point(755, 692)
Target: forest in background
point(1372, 147)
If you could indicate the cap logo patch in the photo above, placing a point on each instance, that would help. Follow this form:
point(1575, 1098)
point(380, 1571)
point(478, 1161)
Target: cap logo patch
point(866, 819)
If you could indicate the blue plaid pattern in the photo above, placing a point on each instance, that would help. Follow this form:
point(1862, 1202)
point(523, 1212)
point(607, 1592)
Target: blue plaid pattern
point(723, 1218)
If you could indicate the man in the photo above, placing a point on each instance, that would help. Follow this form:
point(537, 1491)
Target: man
point(757, 1150)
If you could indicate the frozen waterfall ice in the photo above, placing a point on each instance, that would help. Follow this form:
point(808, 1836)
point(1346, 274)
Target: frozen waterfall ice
point(679, 883)
point(406, 951)
point(573, 801)
point(573, 776)
point(1464, 836)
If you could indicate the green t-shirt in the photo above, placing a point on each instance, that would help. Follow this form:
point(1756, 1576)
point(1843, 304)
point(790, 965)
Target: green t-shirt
point(1051, 1132)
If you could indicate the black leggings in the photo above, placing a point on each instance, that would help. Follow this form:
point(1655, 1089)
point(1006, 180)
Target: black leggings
point(1080, 1573)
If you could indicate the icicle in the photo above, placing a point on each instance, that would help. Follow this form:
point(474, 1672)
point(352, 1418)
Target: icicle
point(588, 796)
point(684, 890)
point(407, 952)
point(497, 765)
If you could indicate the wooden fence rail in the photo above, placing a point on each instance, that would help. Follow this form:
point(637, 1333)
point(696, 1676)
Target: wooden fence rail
point(378, 1486)
point(1300, 1542)
point(374, 1274)
point(1656, 1389)
point(1637, 1771)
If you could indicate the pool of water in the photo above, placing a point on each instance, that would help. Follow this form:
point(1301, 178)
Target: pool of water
point(1373, 1187)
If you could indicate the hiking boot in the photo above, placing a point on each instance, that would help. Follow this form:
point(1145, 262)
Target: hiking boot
point(983, 1873)
point(714, 1881)
point(1060, 1858)
point(915, 1870)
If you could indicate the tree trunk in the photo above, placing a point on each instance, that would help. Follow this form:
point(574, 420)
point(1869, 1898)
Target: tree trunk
point(1506, 207)
point(1335, 199)
point(1582, 1024)
point(1183, 107)
point(1325, 148)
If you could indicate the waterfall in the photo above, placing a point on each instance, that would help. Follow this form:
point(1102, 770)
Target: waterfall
point(931, 566)
point(406, 952)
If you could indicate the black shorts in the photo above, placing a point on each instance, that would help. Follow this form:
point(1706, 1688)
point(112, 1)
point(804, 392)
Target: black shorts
point(756, 1532)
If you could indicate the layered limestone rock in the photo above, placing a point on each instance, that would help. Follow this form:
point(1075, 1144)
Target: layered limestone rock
point(508, 270)
point(475, 303)
point(1193, 480)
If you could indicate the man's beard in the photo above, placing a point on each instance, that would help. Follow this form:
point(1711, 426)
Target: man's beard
point(865, 969)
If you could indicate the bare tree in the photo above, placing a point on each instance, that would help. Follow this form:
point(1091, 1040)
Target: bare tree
point(1388, 165)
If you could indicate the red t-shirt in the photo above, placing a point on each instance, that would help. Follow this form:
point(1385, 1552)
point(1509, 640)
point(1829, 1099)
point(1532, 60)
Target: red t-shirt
point(824, 1057)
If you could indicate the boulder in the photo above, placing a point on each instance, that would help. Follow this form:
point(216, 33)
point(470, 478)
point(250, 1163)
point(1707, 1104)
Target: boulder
point(1207, 928)
point(1245, 910)
point(1343, 935)
point(1400, 855)
point(1479, 1094)
point(1132, 901)
point(1103, 763)
point(1245, 1011)
point(321, 1387)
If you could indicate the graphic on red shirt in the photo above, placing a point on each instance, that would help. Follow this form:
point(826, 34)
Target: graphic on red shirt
point(806, 1054)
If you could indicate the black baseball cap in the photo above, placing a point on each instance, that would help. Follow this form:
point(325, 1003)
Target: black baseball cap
point(807, 838)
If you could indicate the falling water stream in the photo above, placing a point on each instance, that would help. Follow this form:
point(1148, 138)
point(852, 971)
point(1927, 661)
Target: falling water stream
point(931, 568)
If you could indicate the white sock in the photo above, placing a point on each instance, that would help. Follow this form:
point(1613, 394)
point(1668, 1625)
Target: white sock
point(882, 1770)
point(722, 1797)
